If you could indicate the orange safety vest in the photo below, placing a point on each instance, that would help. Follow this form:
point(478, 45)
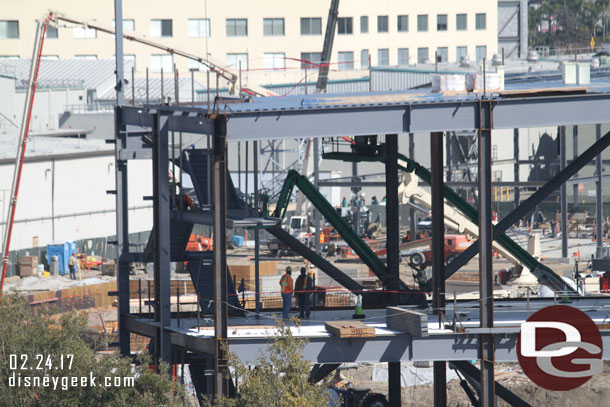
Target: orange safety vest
point(286, 284)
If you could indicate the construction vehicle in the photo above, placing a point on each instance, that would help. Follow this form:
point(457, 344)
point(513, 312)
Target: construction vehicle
point(454, 245)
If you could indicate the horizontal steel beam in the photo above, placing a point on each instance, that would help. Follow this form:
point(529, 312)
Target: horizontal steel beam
point(450, 115)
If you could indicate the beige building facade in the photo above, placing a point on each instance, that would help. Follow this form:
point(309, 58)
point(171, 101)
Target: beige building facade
point(273, 39)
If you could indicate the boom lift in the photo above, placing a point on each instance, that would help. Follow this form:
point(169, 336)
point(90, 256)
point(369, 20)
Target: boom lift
point(544, 274)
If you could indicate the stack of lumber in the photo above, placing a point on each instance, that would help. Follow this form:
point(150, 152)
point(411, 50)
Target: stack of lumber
point(349, 329)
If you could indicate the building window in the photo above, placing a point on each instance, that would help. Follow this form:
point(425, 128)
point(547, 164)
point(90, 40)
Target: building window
point(481, 21)
point(461, 52)
point(310, 59)
point(344, 25)
point(403, 56)
point(364, 59)
point(383, 57)
point(364, 25)
point(481, 52)
point(346, 61)
point(9, 29)
point(441, 22)
point(233, 61)
point(422, 55)
point(86, 57)
point(442, 54)
point(82, 32)
point(128, 25)
point(51, 32)
point(197, 66)
point(5, 57)
point(273, 27)
point(161, 61)
point(461, 22)
point(237, 27)
point(161, 28)
point(129, 60)
point(403, 24)
point(199, 27)
point(49, 57)
point(311, 26)
point(422, 22)
point(382, 24)
point(274, 60)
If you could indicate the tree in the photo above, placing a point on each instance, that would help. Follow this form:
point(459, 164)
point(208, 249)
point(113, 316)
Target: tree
point(279, 377)
point(31, 348)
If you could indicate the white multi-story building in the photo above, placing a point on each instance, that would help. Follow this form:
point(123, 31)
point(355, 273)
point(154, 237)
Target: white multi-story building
point(273, 40)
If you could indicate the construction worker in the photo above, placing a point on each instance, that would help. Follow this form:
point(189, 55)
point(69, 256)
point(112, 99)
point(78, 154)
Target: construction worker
point(303, 287)
point(72, 266)
point(286, 290)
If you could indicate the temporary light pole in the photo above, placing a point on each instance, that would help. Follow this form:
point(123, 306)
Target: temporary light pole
point(41, 29)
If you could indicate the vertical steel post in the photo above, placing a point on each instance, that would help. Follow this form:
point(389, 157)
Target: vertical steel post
point(599, 204)
point(219, 146)
point(257, 288)
point(485, 254)
point(392, 242)
point(161, 216)
point(438, 257)
point(517, 193)
point(122, 212)
point(246, 170)
point(448, 154)
point(239, 166)
point(316, 183)
point(412, 220)
point(564, 193)
point(147, 90)
point(356, 211)
point(575, 156)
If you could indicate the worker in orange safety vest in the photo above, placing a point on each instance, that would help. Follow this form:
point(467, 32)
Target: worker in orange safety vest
point(286, 290)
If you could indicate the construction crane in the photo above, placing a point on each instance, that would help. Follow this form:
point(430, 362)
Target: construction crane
point(209, 62)
point(329, 37)
point(41, 29)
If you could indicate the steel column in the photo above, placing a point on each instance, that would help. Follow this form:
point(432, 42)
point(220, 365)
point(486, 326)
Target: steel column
point(563, 193)
point(162, 244)
point(257, 243)
point(599, 204)
point(355, 211)
point(485, 256)
point(220, 253)
point(517, 191)
point(392, 244)
point(122, 226)
point(316, 183)
point(438, 256)
point(575, 156)
point(412, 220)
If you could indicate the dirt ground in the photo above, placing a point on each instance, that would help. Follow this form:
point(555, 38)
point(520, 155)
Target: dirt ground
point(594, 393)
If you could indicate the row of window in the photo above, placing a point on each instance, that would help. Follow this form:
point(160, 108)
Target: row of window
point(272, 27)
point(309, 60)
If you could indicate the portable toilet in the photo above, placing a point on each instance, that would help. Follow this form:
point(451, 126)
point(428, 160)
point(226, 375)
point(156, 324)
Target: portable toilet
point(62, 250)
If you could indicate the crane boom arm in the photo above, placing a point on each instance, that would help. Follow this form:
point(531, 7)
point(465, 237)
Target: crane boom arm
point(207, 61)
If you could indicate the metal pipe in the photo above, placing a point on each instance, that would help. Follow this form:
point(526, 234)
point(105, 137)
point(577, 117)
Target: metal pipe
point(176, 86)
point(599, 205)
point(438, 257)
point(575, 156)
point(517, 191)
point(485, 255)
point(162, 86)
point(563, 193)
point(133, 85)
point(257, 288)
point(316, 183)
point(193, 87)
point(147, 90)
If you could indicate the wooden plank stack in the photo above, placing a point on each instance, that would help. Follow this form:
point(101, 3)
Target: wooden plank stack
point(349, 329)
point(404, 320)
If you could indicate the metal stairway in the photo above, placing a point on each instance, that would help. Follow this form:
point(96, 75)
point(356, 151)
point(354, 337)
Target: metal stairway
point(201, 270)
